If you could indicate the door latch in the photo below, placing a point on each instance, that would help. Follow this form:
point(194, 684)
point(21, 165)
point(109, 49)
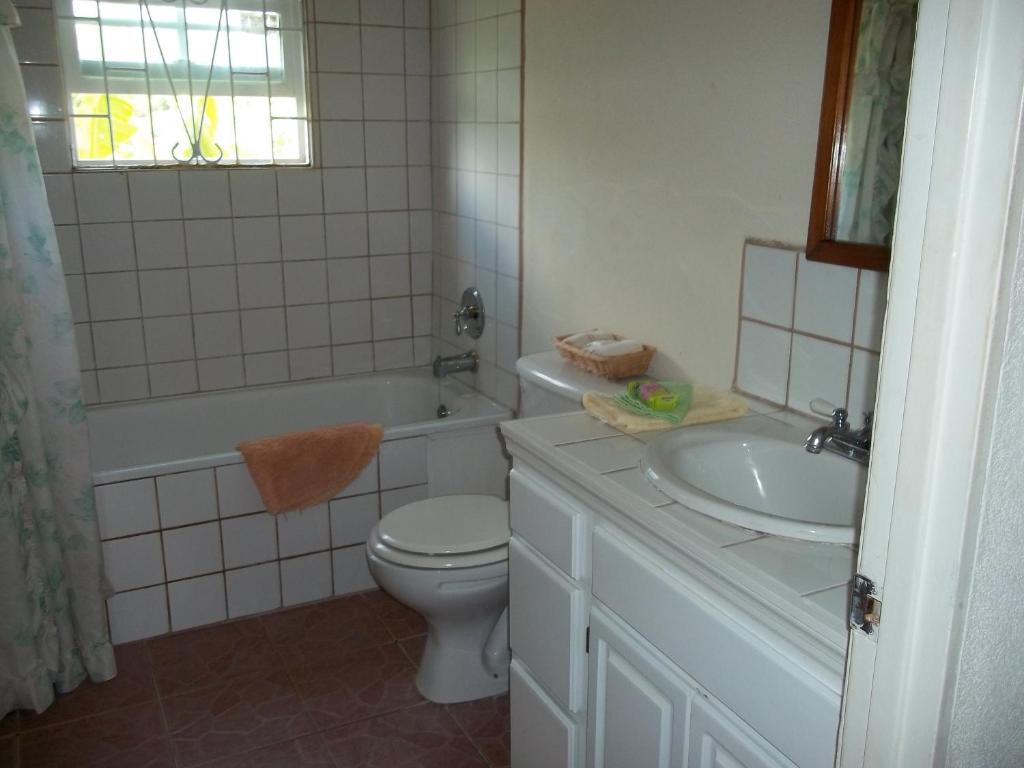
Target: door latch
point(865, 606)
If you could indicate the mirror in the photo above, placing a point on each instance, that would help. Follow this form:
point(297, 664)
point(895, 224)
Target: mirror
point(860, 136)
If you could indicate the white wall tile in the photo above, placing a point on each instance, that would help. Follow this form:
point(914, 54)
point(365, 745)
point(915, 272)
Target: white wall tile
point(300, 191)
point(347, 235)
point(134, 562)
point(341, 144)
point(769, 282)
point(263, 330)
point(169, 339)
point(236, 492)
point(154, 195)
point(392, 318)
point(199, 601)
point(257, 239)
point(192, 550)
point(260, 285)
point(351, 572)
point(221, 373)
point(266, 368)
point(384, 97)
point(763, 369)
point(308, 326)
point(253, 590)
point(102, 197)
point(160, 244)
point(173, 378)
point(863, 384)
point(338, 11)
point(341, 96)
point(348, 279)
point(304, 579)
point(129, 383)
point(138, 615)
point(70, 244)
point(305, 282)
point(819, 369)
point(118, 343)
point(218, 334)
point(825, 295)
point(871, 305)
point(164, 292)
point(205, 195)
point(309, 363)
point(107, 247)
point(113, 295)
point(353, 519)
point(351, 322)
point(247, 540)
point(187, 497)
point(388, 12)
point(209, 242)
point(508, 95)
point(403, 462)
point(347, 359)
point(253, 192)
point(213, 289)
point(61, 196)
point(337, 48)
point(126, 508)
point(304, 531)
point(389, 232)
point(399, 497)
point(383, 50)
point(303, 237)
point(344, 190)
point(367, 482)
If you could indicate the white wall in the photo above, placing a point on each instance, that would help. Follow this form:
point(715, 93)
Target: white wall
point(658, 135)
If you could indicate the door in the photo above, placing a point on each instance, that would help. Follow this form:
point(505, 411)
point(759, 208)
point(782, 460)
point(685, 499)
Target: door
point(958, 193)
point(637, 709)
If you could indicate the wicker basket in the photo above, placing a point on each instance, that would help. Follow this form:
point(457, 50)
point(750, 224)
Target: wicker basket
point(616, 367)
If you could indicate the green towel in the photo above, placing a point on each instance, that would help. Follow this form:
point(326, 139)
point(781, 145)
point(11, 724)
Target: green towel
point(682, 389)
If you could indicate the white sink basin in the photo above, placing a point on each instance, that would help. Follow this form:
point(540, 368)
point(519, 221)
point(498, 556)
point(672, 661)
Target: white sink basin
point(755, 473)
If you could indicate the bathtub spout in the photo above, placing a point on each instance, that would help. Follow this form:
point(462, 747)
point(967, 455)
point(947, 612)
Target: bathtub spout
point(467, 361)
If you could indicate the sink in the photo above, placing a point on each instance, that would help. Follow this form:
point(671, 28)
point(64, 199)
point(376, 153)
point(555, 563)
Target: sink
point(755, 473)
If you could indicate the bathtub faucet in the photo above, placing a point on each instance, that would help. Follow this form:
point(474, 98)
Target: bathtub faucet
point(467, 361)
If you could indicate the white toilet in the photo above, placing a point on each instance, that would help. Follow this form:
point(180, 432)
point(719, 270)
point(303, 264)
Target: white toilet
point(447, 559)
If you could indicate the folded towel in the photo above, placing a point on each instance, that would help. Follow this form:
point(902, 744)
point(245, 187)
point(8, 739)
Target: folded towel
point(582, 339)
point(612, 347)
point(303, 469)
point(707, 405)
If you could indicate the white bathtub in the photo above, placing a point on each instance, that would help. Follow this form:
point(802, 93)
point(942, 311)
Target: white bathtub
point(185, 538)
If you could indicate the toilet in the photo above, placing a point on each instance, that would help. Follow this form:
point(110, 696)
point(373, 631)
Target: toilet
point(447, 558)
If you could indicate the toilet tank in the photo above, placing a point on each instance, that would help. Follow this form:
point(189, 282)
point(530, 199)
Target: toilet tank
point(549, 385)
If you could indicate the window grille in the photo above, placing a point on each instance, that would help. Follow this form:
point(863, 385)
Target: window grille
point(185, 82)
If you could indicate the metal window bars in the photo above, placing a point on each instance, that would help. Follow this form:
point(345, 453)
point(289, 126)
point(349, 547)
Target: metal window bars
point(139, 64)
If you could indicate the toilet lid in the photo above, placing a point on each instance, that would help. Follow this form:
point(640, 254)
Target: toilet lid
point(447, 525)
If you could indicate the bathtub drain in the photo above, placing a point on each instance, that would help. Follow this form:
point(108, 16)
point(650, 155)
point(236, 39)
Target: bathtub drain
point(442, 411)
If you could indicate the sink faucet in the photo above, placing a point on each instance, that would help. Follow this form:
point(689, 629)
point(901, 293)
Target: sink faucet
point(839, 438)
point(467, 361)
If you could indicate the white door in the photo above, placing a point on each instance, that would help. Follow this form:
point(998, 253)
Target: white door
point(943, 316)
point(637, 708)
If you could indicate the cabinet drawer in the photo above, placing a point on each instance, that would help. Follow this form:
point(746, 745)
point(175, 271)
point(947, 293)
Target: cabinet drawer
point(549, 521)
point(543, 736)
point(547, 616)
point(783, 701)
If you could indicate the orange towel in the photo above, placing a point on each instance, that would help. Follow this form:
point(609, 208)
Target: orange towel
point(303, 469)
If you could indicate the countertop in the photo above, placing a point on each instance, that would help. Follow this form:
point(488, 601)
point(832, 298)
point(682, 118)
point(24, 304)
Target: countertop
point(798, 590)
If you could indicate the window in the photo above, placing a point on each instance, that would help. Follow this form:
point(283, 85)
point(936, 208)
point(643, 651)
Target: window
point(185, 82)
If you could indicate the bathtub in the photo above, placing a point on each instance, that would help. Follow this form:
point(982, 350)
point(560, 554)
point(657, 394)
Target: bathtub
point(186, 541)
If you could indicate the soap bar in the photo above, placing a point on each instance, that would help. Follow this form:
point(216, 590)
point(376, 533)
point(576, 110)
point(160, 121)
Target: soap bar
point(653, 395)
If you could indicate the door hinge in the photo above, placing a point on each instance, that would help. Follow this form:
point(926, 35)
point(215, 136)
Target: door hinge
point(865, 606)
point(588, 640)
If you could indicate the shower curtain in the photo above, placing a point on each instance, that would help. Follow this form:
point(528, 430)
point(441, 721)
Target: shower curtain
point(53, 628)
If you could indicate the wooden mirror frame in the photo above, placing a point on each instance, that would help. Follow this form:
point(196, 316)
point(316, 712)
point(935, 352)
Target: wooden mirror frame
point(835, 106)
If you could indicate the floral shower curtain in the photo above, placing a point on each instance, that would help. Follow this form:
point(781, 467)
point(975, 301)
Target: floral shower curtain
point(53, 629)
point(873, 144)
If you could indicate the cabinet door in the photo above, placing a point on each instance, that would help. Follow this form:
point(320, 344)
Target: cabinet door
point(546, 624)
point(637, 706)
point(717, 741)
point(543, 736)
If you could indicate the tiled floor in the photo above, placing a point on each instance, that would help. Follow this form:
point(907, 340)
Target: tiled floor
point(327, 685)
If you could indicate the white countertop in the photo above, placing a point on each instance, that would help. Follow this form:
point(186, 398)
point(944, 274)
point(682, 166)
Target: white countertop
point(804, 583)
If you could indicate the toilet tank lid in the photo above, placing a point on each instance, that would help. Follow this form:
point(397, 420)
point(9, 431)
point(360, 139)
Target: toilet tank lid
point(447, 525)
point(550, 371)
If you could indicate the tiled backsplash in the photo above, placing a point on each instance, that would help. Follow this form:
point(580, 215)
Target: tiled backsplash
point(808, 330)
point(204, 279)
point(476, 52)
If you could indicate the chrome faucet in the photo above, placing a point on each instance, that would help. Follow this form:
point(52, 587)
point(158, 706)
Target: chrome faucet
point(839, 438)
point(467, 361)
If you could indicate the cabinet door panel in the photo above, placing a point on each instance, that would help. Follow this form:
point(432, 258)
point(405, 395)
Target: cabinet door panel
point(553, 524)
point(546, 624)
point(638, 707)
point(542, 735)
point(717, 742)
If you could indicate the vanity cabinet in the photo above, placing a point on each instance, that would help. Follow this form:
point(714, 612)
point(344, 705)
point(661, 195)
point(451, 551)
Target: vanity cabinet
point(621, 660)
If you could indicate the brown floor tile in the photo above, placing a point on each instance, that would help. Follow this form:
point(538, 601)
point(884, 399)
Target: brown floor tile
point(207, 657)
point(402, 622)
point(486, 722)
point(132, 686)
point(324, 632)
point(413, 648)
point(233, 717)
point(421, 737)
point(363, 684)
point(9, 752)
point(132, 737)
point(306, 752)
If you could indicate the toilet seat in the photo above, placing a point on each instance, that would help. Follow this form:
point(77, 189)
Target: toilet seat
point(445, 532)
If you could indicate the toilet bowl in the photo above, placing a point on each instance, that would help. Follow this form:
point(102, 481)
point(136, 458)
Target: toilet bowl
point(447, 559)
